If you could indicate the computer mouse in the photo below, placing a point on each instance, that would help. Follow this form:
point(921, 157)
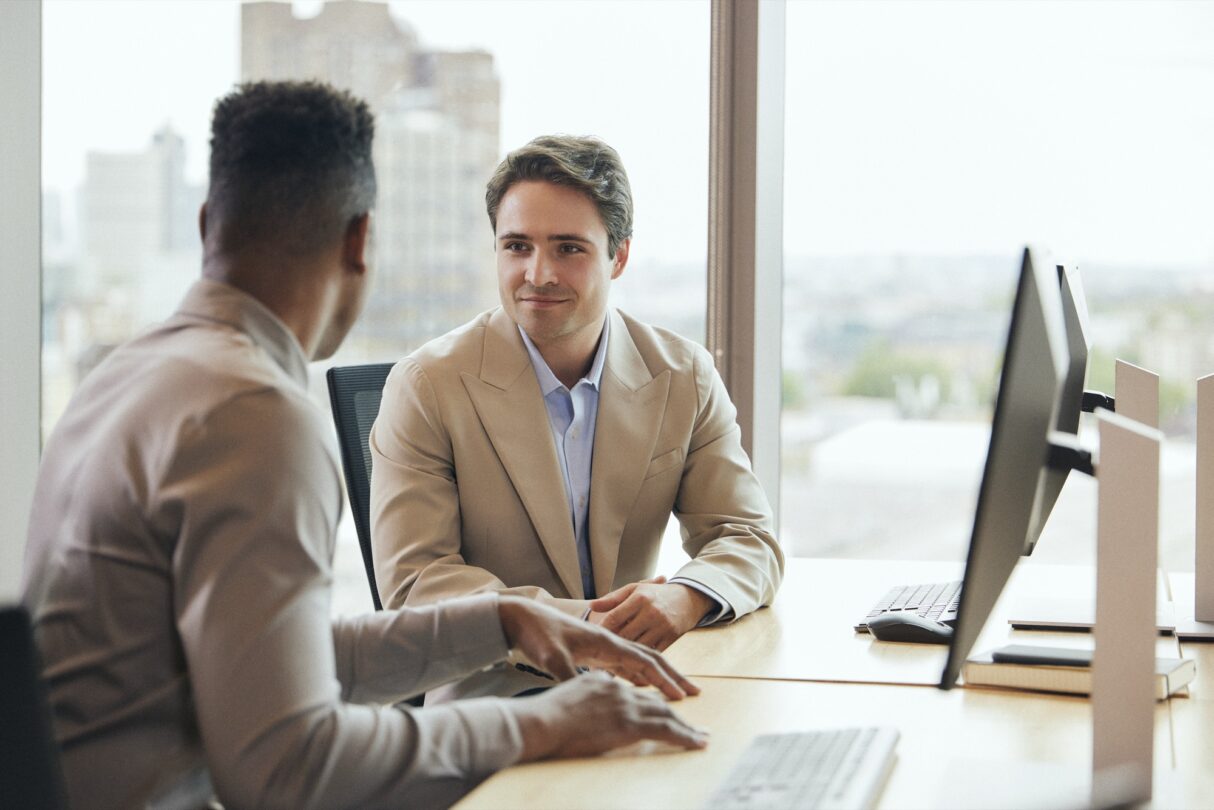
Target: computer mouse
point(909, 626)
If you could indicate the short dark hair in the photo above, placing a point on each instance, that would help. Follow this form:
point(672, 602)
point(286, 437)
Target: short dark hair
point(290, 166)
point(586, 164)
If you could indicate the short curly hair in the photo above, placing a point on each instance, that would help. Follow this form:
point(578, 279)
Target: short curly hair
point(290, 166)
point(584, 163)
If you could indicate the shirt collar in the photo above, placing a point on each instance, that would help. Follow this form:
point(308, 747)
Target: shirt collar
point(223, 303)
point(548, 381)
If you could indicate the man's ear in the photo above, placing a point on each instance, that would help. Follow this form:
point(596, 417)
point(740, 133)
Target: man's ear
point(202, 222)
point(621, 258)
point(354, 245)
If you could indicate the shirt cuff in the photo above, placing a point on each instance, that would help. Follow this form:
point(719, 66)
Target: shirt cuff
point(721, 610)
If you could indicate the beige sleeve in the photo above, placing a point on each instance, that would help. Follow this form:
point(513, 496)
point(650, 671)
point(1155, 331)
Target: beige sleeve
point(726, 519)
point(252, 573)
point(415, 512)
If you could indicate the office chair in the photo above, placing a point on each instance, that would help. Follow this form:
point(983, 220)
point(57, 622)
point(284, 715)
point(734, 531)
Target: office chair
point(30, 773)
point(355, 392)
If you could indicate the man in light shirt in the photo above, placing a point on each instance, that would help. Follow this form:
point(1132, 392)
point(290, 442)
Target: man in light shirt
point(541, 448)
point(179, 561)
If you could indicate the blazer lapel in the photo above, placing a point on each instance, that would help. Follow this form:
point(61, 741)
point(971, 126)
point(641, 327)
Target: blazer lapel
point(631, 405)
point(508, 401)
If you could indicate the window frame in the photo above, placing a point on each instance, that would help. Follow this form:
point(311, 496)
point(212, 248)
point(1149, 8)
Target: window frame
point(746, 222)
point(21, 307)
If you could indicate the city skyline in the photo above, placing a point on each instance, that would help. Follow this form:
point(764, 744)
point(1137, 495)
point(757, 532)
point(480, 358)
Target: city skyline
point(1056, 92)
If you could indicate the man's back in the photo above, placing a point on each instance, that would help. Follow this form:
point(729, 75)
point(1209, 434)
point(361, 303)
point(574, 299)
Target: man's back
point(119, 480)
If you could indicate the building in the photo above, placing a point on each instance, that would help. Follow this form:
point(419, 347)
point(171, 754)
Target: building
point(137, 207)
point(437, 132)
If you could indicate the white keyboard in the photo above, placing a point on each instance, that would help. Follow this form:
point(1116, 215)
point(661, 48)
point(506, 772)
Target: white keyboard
point(833, 769)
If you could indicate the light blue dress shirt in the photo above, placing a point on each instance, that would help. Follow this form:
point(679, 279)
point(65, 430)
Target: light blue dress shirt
point(572, 416)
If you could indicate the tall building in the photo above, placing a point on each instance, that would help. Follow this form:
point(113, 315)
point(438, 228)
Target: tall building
point(438, 116)
point(137, 206)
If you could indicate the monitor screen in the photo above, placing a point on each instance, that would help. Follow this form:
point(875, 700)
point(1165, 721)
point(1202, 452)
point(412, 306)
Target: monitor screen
point(1035, 365)
point(1075, 315)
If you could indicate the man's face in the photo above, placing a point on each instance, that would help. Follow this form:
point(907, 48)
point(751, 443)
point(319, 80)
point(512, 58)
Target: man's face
point(553, 269)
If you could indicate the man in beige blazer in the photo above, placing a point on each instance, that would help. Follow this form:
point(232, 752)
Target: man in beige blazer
point(541, 448)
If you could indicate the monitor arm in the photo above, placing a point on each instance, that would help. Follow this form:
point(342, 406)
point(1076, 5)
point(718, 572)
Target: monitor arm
point(1068, 453)
point(1095, 399)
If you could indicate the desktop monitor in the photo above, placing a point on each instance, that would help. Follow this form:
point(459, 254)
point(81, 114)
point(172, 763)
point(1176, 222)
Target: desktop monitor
point(1035, 365)
point(1070, 404)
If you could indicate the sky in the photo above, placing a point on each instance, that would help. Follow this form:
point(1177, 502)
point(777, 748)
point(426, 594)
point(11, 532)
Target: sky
point(938, 128)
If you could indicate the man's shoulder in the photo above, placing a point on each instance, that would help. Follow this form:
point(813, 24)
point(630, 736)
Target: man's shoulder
point(201, 370)
point(663, 349)
point(457, 351)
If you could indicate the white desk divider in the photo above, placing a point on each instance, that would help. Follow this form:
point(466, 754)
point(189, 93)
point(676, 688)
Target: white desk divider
point(1203, 582)
point(1196, 621)
point(1137, 393)
point(1123, 664)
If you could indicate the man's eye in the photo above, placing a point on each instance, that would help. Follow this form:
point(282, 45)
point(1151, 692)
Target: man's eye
point(569, 248)
point(516, 246)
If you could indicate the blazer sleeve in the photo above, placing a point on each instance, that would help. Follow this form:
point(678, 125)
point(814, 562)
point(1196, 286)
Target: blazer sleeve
point(416, 532)
point(726, 520)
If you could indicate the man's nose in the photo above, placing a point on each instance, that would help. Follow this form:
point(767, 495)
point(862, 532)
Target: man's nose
point(540, 273)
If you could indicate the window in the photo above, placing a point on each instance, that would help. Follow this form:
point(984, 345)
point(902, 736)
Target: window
point(128, 90)
point(926, 144)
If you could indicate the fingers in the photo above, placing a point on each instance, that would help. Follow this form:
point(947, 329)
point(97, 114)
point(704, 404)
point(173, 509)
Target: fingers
point(675, 731)
point(611, 600)
point(659, 722)
point(679, 678)
point(645, 668)
point(621, 615)
point(654, 637)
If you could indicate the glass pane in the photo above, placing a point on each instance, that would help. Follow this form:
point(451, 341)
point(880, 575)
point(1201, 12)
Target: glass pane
point(128, 91)
point(927, 143)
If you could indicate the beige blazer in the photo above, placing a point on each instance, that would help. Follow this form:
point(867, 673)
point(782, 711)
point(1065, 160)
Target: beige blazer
point(467, 493)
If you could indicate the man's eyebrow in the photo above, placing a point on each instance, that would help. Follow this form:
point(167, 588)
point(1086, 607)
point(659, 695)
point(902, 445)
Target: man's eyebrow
point(556, 237)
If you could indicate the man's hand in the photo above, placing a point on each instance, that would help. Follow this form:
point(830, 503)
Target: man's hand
point(557, 644)
point(593, 714)
point(652, 612)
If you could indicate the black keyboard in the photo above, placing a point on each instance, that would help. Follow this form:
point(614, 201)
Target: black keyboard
point(834, 769)
point(936, 600)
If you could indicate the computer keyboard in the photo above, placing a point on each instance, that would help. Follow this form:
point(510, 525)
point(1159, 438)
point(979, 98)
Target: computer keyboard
point(832, 769)
point(935, 600)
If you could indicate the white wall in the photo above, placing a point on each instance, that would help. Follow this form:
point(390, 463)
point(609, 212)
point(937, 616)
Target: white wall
point(20, 276)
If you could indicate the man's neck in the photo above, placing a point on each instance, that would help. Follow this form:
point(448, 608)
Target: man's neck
point(571, 356)
point(300, 303)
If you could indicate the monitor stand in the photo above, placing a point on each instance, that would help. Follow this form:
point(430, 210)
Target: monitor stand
point(1137, 398)
point(1195, 609)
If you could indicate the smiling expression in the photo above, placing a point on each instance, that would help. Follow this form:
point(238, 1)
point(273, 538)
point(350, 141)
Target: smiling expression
point(553, 268)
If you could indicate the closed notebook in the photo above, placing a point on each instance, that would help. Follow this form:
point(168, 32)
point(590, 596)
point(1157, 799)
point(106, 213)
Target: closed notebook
point(1171, 675)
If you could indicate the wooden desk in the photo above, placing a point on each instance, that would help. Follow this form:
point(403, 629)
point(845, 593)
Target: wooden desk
point(948, 739)
point(807, 633)
point(798, 665)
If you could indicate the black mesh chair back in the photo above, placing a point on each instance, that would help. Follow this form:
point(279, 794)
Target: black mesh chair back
point(355, 392)
point(31, 776)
